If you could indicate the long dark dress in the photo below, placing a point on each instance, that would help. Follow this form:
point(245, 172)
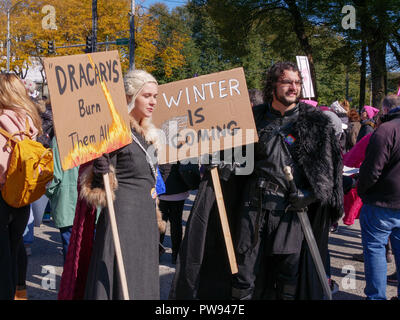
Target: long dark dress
point(137, 228)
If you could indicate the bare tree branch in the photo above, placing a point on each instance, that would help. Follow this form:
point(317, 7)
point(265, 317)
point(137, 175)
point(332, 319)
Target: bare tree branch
point(395, 51)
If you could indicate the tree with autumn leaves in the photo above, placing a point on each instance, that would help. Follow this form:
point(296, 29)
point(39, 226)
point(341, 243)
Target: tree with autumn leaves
point(30, 33)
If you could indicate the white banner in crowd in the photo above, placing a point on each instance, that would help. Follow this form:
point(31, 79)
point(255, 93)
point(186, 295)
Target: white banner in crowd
point(308, 89)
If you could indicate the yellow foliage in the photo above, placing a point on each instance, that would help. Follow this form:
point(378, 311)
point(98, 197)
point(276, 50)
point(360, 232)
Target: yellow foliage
point(73, 19)
point(146, 37)
point(172, 54)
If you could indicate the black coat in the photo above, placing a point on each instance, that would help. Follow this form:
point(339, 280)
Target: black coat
point(202, 270)
point(380, 172)
point(135, 213)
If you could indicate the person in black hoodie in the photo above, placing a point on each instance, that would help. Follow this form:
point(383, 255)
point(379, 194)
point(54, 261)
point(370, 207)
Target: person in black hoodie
point(379, 189)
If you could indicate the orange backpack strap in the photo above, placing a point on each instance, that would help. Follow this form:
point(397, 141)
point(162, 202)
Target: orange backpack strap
point(28, 127)
point(26, 132)
point(9, 137)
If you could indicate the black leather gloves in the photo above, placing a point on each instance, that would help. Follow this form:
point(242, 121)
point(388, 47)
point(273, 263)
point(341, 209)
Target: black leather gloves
point(301, 199)
point(225, 168)
point(101, 166)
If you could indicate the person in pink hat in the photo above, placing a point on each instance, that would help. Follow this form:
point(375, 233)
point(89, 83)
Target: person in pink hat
point(367, 116)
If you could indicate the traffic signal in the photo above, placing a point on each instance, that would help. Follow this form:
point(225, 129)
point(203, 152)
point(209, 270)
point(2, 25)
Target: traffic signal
point(50, 45)
point(39, 48)
point(89, 44)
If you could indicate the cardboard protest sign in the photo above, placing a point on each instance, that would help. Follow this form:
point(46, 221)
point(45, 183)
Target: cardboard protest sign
point(89, 106)
point(307, 87)
point(204, 114)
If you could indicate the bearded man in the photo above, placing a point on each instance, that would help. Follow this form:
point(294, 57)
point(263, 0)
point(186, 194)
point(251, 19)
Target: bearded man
point(269, 234)
point(274, 261)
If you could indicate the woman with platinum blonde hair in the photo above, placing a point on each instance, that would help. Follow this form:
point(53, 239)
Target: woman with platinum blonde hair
point(132, 179)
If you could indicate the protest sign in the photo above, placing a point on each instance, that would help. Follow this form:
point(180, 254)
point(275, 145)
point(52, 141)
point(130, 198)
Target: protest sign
point(90, 117)
point(89, 105)
point(307, 87)
point(204, 114)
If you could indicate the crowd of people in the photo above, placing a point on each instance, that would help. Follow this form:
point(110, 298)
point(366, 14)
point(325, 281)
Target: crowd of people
point(274, 259)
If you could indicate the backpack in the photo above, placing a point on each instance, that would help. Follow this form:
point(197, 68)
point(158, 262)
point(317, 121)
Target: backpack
point(30, 169)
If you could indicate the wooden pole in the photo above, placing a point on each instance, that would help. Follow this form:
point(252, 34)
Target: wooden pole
point(224, 220)
point(114, 230)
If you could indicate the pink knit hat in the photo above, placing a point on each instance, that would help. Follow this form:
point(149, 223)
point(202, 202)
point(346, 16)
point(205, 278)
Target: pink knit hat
point(371, 111)
point(310, 102)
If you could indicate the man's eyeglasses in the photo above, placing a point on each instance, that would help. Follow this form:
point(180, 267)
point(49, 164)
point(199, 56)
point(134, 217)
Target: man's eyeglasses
point(297, 83)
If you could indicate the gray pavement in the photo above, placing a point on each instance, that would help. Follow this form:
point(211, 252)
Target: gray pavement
point(45, 263)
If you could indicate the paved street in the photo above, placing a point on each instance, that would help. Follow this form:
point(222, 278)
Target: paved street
point(46, 258)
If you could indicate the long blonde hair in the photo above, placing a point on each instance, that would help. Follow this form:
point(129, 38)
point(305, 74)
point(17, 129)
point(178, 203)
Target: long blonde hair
point(13, 96)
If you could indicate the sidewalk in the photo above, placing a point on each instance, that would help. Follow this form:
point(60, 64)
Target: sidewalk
point(342, 246)
point(348, 273)
point(45, 264)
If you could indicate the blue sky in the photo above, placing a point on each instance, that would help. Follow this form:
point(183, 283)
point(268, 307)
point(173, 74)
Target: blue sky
point(170, 3)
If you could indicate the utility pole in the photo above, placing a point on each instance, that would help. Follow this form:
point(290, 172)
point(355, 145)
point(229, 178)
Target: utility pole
point(132, 36)
point(9, 8)
point(94, 25)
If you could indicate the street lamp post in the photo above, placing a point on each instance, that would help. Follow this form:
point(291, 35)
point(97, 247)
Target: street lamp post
point(8, 33)
point(8, 40)
point(94, 25)
point(132, 36)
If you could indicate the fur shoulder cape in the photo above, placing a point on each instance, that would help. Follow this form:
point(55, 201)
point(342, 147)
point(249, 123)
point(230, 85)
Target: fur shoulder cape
point(319, 154)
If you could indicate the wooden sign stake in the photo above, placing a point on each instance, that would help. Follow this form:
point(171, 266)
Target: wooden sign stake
point(224, 220)
point(114, 230)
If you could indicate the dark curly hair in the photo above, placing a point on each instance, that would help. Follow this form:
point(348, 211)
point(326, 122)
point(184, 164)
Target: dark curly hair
point(273, 75)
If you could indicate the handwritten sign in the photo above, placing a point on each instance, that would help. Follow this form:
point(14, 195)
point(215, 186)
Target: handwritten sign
point(307, 87)
point(203, 115)
point(89, 105)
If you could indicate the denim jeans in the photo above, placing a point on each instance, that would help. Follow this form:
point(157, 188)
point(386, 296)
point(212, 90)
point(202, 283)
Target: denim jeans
point(65, 234)
point(377, 225)
point(29, 230)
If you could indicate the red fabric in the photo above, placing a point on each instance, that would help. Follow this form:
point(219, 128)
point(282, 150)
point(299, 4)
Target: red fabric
point(356, 155)
point(354, 159)
point(73, 279)
point(352, 207)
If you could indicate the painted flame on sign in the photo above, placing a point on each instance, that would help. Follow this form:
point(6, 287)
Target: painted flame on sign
point(119, 135)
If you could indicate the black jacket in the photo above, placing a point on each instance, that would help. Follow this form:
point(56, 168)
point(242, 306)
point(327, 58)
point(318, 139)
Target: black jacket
point(202, 270)
point(367, 126)
point(379, 179)
point(172, 179)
